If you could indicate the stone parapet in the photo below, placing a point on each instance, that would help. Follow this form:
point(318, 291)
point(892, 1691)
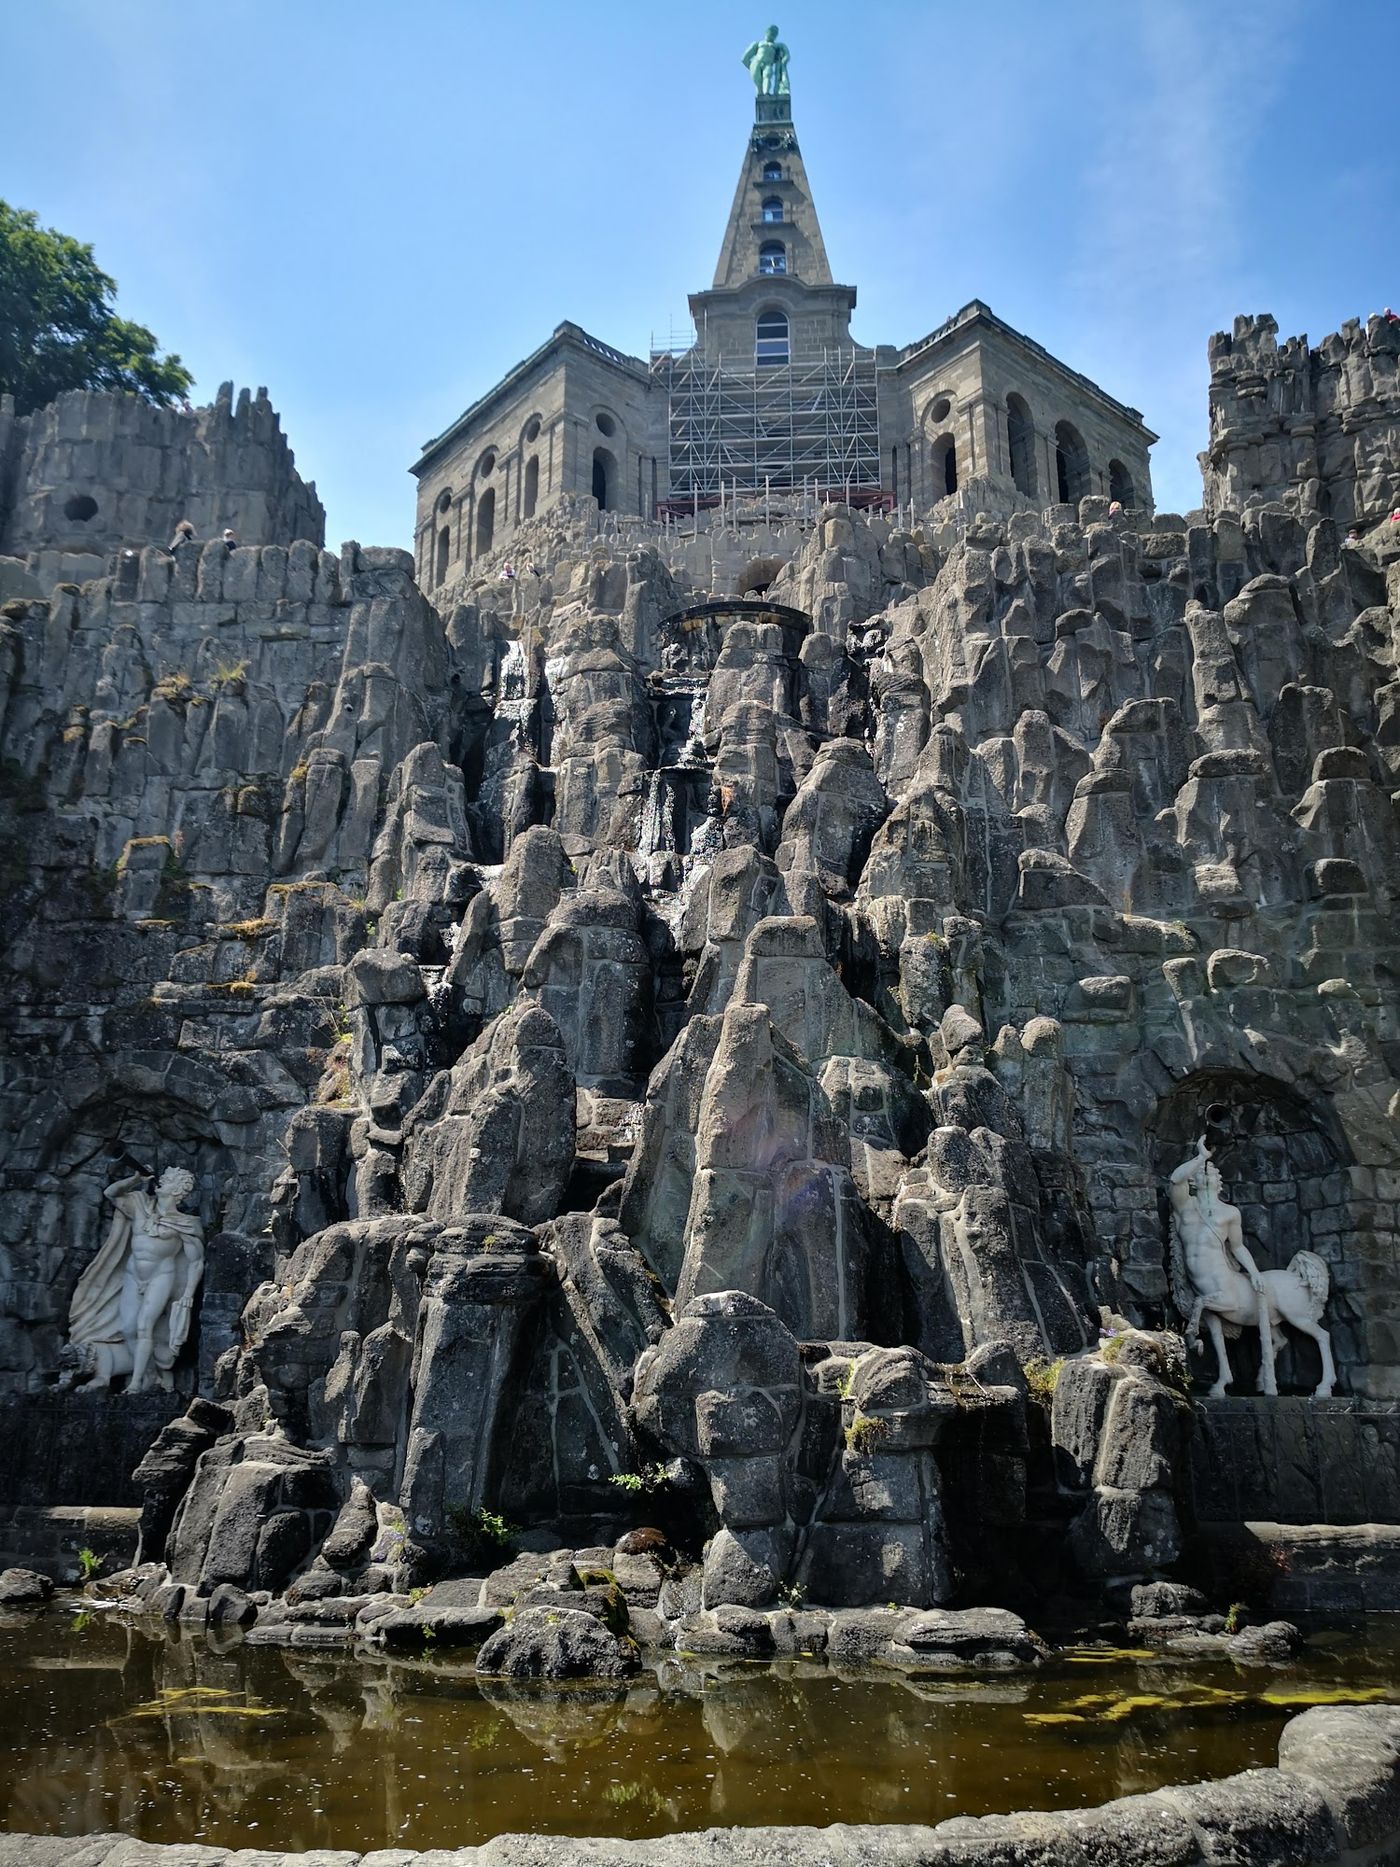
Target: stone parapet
point(1296, 1459)
point(49, 1538)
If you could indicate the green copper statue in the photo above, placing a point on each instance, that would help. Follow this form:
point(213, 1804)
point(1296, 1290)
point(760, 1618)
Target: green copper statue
point(767, 64)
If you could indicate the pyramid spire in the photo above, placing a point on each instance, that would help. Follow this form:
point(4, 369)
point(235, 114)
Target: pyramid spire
point(773, 227)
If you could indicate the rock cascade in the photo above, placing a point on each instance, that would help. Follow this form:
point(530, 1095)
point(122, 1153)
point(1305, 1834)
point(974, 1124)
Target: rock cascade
point(648, 1055)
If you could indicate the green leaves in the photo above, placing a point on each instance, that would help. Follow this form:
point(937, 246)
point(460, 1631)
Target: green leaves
point(58, 328)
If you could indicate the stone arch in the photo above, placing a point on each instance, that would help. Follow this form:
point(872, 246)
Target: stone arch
point(772, 337)
point(604, 482)
point(485, 521)
point(1120, 484)
point(1071, 464)
point(105, 1125)
point(758, 573)
point(1020, 437)
point(444, 548)
point(530, 497)
point(943, 466)
point(1282, 1158)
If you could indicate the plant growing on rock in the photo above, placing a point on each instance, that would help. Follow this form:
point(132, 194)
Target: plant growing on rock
point(650, 1479)
point(866, 1433)
point(1042, 1378)
point(482, 1536)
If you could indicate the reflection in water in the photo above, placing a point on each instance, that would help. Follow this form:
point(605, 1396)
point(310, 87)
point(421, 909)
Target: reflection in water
point(108, 1726)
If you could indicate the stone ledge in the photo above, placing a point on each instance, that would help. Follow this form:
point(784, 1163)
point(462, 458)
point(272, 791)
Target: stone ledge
point(1335, 1798)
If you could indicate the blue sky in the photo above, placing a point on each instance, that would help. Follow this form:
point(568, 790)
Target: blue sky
point(375, 209)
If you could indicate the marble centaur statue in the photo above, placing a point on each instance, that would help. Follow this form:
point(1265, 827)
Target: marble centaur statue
point(767, 64)
point(131, 1311)
point(1214, 1275)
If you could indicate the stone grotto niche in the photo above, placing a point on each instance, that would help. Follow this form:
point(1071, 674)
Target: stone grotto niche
point(56, 1218)
point(1281, 1161)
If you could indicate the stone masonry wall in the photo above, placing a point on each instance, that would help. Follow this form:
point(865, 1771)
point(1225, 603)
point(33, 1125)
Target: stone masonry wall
point(1316, 426)
point(96, 472)
point(198, 751)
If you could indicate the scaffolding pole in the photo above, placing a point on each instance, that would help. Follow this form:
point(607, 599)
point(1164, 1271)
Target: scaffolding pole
point(780, 428)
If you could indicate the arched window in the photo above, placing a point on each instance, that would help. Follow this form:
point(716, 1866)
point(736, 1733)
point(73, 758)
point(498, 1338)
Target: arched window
point(444, 547)
point(773, 208)
point(772, 256)
point(1120, 484)
point(771, 339)
point(772, 171)
point(532, 486)
point(485, 521)
point(1071, 464)
point(604, 479)
point(944, 460)
point(1020, 435)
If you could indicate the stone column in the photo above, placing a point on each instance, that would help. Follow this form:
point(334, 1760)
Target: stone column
point(984, 448)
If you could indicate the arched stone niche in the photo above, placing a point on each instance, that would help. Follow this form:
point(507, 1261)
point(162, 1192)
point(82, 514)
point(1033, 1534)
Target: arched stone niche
point(1282, 1160)
point(55, 1219)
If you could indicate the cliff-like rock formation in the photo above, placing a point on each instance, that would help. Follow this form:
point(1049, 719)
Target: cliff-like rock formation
point(621, 1029)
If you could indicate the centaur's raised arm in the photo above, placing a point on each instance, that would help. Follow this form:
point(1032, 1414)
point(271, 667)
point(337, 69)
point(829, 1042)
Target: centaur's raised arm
point(1179, 1184)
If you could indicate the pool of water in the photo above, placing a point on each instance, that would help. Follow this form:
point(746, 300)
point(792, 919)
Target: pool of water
point(105, 1725)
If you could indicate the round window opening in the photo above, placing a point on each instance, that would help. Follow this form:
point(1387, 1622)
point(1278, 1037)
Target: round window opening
point(488, 465)
point(532, 429)
point(444, 500)
point(81, 507)
point(606, 425)
point(941, 409)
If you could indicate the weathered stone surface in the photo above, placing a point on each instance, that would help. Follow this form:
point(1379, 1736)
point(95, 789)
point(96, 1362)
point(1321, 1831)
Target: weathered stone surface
point(652, 1064)
point(24, 1588)
point(556, 1644)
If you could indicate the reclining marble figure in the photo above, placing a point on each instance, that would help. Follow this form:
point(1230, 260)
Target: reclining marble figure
point(131, 1309)
point(1214, 1274)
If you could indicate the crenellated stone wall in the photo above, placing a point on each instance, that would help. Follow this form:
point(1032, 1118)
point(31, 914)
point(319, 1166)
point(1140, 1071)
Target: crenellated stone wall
point(96, 472)
point(1317, 426)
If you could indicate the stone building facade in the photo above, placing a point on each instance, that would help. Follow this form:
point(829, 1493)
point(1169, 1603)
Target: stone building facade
point(774, 394)
point(94, 473)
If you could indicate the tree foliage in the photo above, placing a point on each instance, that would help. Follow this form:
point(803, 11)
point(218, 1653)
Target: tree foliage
point(58, 328)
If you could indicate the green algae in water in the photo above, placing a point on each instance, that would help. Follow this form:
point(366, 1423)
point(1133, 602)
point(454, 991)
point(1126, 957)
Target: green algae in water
point(133, 1728)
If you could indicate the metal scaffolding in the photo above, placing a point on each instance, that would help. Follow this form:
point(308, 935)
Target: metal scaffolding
point(791, 425)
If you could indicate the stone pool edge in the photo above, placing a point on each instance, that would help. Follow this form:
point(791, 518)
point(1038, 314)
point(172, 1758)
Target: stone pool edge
point(1334, 1797)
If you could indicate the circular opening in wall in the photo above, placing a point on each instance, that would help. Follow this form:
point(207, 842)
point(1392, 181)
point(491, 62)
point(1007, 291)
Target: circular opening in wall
point(941, 409)
point(444, 500)
point(488, 463)
point(606, 425)
point(80, 508)
point(532, 428)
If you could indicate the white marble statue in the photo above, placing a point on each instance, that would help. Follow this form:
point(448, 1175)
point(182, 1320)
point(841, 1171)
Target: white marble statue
point(131, 1311)
point(1213, 1274)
